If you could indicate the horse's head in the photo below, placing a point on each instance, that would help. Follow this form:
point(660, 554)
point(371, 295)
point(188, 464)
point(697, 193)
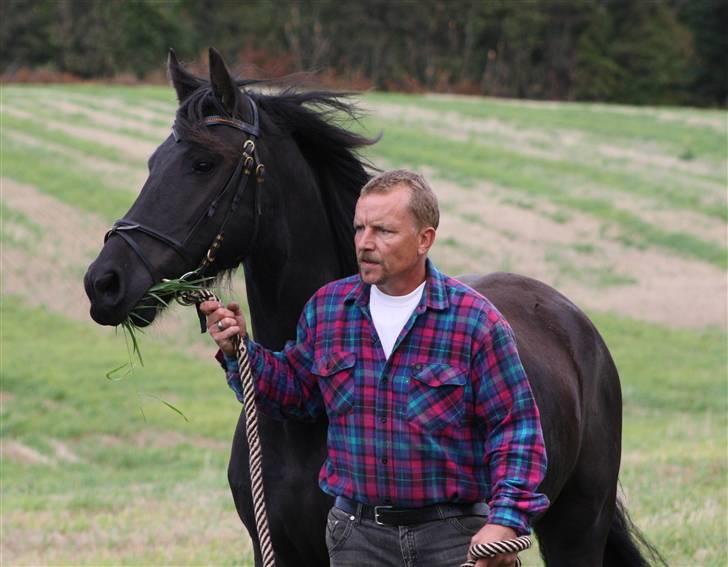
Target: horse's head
point(201, 194)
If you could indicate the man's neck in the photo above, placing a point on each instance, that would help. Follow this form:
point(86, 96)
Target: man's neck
point(396, 288)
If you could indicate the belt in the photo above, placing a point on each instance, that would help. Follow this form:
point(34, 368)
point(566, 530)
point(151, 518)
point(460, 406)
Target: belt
point(393, 516)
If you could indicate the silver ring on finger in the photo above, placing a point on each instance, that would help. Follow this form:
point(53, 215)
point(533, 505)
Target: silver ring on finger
point(220, 326)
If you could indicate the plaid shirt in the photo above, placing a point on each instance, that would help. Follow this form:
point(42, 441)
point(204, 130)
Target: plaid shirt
point(449, 417)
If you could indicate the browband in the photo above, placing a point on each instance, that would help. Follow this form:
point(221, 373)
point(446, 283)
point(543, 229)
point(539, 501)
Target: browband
point(216, 120)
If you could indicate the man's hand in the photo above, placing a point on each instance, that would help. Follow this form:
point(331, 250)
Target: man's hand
point(223, 323)
point(495, 532)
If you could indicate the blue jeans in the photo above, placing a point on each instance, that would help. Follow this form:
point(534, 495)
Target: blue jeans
point(356, 542)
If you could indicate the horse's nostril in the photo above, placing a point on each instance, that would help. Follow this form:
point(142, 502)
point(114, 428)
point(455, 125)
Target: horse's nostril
point(106, 284)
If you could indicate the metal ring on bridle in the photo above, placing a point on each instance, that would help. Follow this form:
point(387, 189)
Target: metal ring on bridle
point(220, 326)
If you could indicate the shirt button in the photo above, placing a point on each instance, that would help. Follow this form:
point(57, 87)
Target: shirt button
point(383, 419)
point(384, 460)
point(418, 366)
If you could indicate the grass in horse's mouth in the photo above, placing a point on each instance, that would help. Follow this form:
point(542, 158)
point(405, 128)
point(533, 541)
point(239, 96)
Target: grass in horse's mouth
point(163, 293)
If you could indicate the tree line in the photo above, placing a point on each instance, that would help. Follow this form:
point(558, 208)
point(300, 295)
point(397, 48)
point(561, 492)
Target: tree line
point(628, 51)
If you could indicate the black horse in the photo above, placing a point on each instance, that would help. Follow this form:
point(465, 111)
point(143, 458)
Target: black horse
point(293, 233)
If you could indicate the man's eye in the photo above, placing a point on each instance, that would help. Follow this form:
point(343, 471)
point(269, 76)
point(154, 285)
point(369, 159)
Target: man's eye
point(203, 166)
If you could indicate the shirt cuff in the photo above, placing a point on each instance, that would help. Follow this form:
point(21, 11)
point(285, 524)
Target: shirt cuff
point(510, 518)
point(231, 363)
point(232, 376)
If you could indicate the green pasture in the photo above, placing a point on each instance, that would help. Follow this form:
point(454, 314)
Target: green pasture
point(100, 472)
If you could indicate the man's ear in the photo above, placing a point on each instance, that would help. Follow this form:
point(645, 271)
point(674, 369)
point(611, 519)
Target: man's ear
point(426, 239)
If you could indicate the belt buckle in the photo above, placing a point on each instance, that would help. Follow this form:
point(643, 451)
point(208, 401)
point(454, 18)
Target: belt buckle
point(376, 514)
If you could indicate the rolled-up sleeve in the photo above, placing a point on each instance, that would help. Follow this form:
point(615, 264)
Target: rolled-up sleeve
point(515, 453)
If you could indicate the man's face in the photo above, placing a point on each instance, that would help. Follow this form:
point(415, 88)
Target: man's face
point(390, 248)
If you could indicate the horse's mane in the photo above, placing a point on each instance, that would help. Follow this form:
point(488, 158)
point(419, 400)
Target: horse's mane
point(314, 120)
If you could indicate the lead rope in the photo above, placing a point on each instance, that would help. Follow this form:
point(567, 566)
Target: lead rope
point(251, 428)
point(487, 550)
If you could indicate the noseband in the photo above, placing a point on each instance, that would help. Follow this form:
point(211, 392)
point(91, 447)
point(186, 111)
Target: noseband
point(248, 164)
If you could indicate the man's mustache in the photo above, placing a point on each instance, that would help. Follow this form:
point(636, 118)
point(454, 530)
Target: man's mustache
point(366, 258)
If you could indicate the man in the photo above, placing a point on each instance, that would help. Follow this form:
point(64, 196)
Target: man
point(434, 439)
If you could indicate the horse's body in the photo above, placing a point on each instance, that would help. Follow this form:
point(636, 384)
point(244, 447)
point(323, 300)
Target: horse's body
point(303, 240)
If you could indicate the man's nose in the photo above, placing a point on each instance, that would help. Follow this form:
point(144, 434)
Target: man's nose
point(366, 242)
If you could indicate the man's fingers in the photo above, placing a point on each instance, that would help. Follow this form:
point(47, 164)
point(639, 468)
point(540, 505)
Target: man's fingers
point(209, 307)
point(220, 315)
point(228, 333)
point(505, 560)
point(223, 323)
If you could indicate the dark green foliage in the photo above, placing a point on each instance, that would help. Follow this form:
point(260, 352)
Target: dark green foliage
point(707, 20)
point(646, 51)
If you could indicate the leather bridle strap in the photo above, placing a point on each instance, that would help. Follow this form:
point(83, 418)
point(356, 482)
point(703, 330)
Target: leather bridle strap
point(123, 227)
point(248, 164)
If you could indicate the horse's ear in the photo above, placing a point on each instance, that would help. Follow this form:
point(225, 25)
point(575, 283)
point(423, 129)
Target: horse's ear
point(183, 82)
point(222, 83)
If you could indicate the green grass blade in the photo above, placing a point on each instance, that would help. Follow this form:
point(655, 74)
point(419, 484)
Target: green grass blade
point(170, 406)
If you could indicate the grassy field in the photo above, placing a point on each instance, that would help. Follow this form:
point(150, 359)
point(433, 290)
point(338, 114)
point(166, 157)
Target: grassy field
point(622, 208)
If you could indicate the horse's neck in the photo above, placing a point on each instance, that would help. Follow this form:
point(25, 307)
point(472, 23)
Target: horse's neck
point(294, 257)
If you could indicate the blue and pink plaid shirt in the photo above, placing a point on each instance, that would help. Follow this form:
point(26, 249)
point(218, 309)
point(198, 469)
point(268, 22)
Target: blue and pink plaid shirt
point(449, 417)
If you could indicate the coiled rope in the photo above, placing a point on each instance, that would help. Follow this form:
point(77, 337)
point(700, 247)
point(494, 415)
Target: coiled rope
point(493, 548)
point(251, 428)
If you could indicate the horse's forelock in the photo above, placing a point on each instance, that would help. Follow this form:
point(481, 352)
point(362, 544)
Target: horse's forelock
point(188, 121)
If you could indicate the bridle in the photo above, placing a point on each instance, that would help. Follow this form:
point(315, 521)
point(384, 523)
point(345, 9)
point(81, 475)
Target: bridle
point(248, 164)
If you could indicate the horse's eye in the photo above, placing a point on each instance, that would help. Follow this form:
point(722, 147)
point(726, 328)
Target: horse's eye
point(203, 166)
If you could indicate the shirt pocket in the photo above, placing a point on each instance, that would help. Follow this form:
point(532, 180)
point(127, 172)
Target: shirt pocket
point(335, 373)
point(437, 396)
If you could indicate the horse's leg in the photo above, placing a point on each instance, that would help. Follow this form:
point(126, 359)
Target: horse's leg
point(574, 530)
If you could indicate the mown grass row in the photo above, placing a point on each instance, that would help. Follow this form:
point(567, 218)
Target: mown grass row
point(16, 229)
point(93, 148)
point(47, 115)
point(51, 173)
point(468, 163)
point(685, 140)
point(104, 101)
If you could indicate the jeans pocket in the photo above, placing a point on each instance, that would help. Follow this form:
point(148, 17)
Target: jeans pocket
point(436, 397)
point(468, 525)
point(338, 529)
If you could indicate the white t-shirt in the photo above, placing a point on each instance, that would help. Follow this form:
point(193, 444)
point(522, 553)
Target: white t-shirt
point(391, 312)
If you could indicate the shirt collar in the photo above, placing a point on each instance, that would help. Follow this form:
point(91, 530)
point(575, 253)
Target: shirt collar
point(434, 296)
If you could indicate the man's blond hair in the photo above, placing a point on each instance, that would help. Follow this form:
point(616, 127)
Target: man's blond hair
point(422, 203)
